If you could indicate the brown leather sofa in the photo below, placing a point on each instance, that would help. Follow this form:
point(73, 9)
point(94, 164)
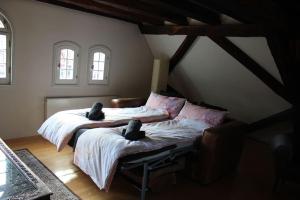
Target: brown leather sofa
point(218, 150)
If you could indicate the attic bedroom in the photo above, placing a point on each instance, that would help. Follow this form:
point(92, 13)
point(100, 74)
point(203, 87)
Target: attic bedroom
point(149, 99)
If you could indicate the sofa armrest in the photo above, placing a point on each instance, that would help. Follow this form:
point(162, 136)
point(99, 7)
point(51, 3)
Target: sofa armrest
point(219, 151)
point(228, 128)
point(127, 102)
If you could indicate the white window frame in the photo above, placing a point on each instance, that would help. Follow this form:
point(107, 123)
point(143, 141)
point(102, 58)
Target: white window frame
point(107, 52)
point(56, 62)
point(8, 33)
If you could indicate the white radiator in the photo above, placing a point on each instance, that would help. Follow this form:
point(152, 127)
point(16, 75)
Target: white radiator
point(55, 104)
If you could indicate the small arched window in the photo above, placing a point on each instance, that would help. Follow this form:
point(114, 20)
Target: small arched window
point(5, 50)
point(98, 68)
point(65, 64)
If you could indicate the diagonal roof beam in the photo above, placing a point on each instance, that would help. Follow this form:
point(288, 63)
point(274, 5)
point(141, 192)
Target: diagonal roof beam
point(279, 50)
point(104, 10)
point(252, 66)
point(282, 50)
point(138, 7)
point(181, 51)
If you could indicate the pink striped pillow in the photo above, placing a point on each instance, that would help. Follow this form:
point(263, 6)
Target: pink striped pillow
point(210, 116)
point(172, 104)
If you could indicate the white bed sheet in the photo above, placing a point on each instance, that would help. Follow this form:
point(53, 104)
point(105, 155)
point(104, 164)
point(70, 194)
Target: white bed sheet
point(60, 127)
point(98, 150)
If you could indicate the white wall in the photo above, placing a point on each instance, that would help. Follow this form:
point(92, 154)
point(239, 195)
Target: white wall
point(37, 26)
point(210, 74)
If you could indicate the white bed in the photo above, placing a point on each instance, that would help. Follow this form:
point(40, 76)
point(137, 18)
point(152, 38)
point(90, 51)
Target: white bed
point(60, 127)
point(98, 150)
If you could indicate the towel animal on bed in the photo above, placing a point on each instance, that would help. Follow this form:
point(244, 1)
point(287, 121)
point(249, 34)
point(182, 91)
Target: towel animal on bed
point(132, 132)
point(95, 112)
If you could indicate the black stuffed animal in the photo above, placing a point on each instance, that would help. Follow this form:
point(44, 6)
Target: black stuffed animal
point(132, 132)
point(95, 112)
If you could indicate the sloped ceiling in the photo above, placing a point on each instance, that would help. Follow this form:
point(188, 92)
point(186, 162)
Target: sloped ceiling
point(164, 46)
point(208, 73)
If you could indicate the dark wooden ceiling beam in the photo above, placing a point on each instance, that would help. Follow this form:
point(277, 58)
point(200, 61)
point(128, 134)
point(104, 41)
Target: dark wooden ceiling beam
point(135, 6)
point(252, 66)
point(89, 10)
point(185, 9)
point(242, 30)
point(104, 10)
point(181, 51)
point(283, 53)
point(278, 51)
point(244, 11)
point(230, 10)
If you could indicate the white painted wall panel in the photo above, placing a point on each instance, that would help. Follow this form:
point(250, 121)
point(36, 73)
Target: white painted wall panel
point(56, 104)
point(37, 26)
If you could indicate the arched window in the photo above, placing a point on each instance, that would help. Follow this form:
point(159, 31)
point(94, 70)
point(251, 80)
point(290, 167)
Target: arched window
point(65, 65)
point(5, 50)
point(98, 68)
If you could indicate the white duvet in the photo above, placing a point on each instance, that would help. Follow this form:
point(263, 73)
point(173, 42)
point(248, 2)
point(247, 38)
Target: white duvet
point(59, 128)
point(98, 150)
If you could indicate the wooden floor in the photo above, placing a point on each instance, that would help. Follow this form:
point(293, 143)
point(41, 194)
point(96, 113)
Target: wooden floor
point(252, 181)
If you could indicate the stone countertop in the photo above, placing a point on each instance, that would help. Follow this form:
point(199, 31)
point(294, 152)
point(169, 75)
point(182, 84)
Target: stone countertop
point(17, 181)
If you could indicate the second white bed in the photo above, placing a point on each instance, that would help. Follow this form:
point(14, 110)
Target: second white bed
point(98, 150)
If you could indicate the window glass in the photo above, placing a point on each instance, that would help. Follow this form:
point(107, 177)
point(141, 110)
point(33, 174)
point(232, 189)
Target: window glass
point(98, 66)
point(5, 51)
point(66, 62)
point(99, 59)
point(3, 56)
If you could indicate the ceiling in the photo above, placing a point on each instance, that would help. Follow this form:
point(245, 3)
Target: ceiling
point(184, 13)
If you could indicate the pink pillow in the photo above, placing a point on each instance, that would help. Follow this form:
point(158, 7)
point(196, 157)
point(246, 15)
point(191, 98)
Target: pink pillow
point(210, 116)
point(172, 104)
